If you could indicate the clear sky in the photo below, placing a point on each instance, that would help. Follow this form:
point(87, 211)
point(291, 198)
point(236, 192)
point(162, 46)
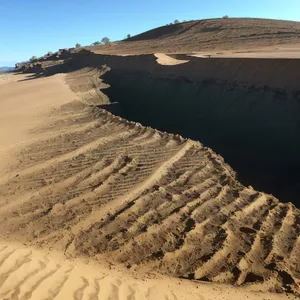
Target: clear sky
point(34, 27)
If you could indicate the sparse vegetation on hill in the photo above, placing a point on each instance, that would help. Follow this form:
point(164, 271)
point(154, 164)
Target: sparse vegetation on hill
point(105, 40)
point(212, 34)
point(96, 43)
point(33, 58)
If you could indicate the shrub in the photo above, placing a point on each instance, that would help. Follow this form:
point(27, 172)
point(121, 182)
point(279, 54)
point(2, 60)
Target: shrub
point(225, 17)
point(176, 22)
point(96, 43)
point(128, 36)
point(77, 45)
point(105, 40)
point(33, 58)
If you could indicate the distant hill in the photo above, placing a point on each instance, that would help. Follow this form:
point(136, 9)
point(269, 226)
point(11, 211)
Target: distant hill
point(240, 28)
point(5, 69)
point(211, 34)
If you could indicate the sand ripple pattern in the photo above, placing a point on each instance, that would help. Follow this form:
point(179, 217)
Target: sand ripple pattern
point(27, 274)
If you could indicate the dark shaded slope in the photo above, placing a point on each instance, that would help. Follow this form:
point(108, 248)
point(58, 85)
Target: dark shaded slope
point(244, 109)
point(255, 130)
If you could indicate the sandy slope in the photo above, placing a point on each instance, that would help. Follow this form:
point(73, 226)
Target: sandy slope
point(57, 163)
point(94, 185)
point(24, 105)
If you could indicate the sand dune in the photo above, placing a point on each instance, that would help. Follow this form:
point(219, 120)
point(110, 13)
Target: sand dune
point(58, 163)
point(93, 206)
point(97, 186)
point(229, 104)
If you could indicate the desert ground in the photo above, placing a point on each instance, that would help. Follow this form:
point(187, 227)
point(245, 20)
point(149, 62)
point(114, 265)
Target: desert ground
point(94, 206)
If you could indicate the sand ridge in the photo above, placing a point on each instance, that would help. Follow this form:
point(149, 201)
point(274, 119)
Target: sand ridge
point(241, 100)
point(98, 186)
point(61, 136)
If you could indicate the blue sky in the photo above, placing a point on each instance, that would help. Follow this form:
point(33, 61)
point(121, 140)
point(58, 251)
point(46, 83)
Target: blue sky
point(34, 27)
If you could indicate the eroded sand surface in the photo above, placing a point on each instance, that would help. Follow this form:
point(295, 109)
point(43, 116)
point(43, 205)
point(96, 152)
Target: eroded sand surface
point(89, 185)
point(25, 104)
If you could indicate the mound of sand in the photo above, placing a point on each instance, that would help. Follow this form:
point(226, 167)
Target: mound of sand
point(231, 105)
point(75, 165)
point(95, 185)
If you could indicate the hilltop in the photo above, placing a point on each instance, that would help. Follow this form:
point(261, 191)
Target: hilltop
point(208, 35)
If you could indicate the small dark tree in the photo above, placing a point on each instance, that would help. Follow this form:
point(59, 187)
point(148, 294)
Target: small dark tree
point(33, 58)
point(96, 43)
point(77, 45)
point(225, 17)
point(105, 40)
point(176, 22)
point(128, 36)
